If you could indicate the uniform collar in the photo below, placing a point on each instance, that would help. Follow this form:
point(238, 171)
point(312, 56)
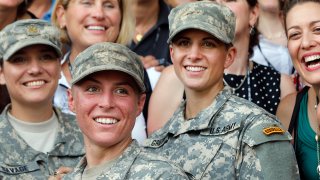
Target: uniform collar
point(178, 125)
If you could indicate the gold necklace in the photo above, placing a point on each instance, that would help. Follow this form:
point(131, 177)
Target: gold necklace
point(139, 37)
point(145, 27)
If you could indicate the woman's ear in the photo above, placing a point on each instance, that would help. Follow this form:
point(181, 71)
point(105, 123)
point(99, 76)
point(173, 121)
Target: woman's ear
point(2, 79)
point(61, 16)
point(71, 102)
point(231, 54)
point(254, 14)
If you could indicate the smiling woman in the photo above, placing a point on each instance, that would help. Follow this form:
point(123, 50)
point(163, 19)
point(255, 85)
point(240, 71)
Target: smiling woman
point(39, 134)
point(10, 11)
point(297, 111)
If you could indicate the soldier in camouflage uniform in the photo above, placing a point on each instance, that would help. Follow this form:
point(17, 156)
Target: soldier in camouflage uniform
point(214, 134)
point(107, 95)
point(36, 138)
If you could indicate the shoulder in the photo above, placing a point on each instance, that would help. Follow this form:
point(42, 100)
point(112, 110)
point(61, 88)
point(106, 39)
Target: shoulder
point(285, 109)
point(286, 85)
point(264, 128)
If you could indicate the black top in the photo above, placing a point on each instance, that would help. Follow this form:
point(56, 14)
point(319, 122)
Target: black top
point(264, 86)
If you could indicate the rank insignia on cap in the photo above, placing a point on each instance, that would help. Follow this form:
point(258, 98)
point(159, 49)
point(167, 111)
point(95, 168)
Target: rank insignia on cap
point(273, 130)
point(32, 30)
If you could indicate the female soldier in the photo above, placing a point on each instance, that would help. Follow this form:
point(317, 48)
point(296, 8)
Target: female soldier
point(36, 138)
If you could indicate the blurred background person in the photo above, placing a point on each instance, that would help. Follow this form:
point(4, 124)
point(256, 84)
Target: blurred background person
point(84, 23)
point(272, 48)
point(42, 9)
point(149, 40)
point(298, 111)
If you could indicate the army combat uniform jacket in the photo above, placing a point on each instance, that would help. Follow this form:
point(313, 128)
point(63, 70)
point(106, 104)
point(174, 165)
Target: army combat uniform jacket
point(20, 161)
point(135, 163)
point(230, 139)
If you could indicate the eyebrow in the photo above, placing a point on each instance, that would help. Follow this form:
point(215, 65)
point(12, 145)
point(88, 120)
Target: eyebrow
point(312, 23)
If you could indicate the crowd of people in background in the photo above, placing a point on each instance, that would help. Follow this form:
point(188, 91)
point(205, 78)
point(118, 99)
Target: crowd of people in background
point(162, 89)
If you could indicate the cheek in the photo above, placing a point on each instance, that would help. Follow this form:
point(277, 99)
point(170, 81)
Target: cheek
point(115, 18)
point(293, 49)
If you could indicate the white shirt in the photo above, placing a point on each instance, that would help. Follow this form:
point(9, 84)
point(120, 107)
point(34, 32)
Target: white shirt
point(278, 56)
point(40, 136)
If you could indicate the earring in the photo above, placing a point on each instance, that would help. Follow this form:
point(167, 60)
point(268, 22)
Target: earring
point(252, 31)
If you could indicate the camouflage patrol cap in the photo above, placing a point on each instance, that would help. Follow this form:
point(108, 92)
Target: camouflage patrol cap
point(108, 56)
point(215, 19)
point(23, 33)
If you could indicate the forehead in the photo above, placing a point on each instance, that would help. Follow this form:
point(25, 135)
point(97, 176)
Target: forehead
point(296, 16)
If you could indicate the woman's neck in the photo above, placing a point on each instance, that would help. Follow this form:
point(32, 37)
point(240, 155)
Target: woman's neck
point(7, 16)
point(30, 112)
point(146, 13)
point(270, 25)
point(199, 100)
point(145, 10)
point(240, 64)
point(39, 7)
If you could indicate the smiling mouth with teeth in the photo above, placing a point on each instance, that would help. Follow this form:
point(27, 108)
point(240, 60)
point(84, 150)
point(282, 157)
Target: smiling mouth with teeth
point(34, 83)
point(99, 28)
point(195, 68)
point(312, 61)
point(106, 120)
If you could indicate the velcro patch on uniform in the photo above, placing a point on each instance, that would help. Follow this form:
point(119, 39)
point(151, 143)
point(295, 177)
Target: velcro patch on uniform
point(273, 130)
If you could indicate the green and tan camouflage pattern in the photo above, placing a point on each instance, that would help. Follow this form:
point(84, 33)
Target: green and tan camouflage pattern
point(20, 161)
point(216, 19)
point(136, 164)
point(27, 32)
point(226, 141)
point(108, 56)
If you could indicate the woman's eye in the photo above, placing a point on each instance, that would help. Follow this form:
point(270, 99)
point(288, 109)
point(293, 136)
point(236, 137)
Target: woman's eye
point(293, 36)
point(86, 2)
point(317, 29)
point(208, 44)
point(121, 91)
point(183, 43)
point(48, 57)
point(92, 89)
point(108, 5)
point(18, 59)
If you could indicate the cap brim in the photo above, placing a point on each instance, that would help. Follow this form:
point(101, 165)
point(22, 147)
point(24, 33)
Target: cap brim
point(200, 26)
point(29, 42)
point(108, 67)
